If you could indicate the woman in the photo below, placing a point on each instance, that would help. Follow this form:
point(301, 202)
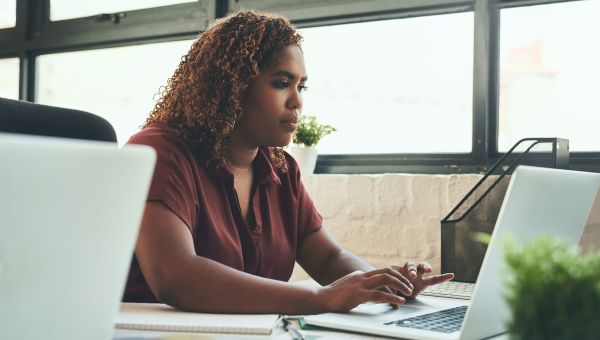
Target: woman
point(227, 214)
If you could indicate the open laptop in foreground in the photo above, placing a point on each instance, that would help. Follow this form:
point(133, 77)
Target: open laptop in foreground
point(70, 211)
point(539, 201)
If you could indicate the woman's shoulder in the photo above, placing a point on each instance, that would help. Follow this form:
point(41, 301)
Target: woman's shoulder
point(160, 136)
point(169, 146)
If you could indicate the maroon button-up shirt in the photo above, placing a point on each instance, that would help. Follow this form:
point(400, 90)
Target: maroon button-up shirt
point(204, 198)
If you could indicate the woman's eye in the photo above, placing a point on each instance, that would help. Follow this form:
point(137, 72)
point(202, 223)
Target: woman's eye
point(281, 84)
point(302, 88)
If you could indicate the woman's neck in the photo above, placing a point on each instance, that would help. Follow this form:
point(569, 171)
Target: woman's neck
point(241, 156)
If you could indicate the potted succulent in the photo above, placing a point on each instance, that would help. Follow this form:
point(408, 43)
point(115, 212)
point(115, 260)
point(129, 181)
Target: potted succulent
point(553, 291)
point(307, 136)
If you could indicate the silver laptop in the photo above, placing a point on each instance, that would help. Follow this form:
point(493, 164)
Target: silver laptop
point(539, 201)
point(69, 216)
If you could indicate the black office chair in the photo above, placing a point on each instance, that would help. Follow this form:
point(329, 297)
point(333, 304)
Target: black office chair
point(35, 119)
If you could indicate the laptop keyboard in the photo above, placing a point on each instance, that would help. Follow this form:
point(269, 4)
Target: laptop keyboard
point(447, 320)
point(451, 289)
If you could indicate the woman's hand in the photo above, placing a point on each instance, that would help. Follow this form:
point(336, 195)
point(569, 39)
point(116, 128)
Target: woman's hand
point(414, 272)
point(358, 287)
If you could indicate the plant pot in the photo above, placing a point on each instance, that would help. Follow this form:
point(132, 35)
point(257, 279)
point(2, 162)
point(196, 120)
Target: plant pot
point(306, 157)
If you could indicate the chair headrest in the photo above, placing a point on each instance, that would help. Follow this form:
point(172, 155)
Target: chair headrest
point(35, 119)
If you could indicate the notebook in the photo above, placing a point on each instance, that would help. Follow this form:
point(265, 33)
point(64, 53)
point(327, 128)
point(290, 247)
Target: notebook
point(161, 317)
point(539, 201)
point(69, 215)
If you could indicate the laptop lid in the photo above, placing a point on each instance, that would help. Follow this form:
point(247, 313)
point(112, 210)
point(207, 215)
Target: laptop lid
point(69, 216)
point(538, 201)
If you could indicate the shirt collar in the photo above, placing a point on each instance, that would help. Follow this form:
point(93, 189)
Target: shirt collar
point(264, 172)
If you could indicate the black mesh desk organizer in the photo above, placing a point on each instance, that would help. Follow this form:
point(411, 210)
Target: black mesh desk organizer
point(476, 213)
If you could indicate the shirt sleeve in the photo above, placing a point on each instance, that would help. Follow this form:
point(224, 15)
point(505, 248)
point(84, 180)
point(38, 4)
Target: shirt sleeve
point(309, 218)
point(173, 181)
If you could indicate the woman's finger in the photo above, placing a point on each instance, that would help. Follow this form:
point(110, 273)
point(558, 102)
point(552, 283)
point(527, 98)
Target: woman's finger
point(393, 292)
point(435, 279)
point(382, 280)
point(424, 267)
point(391, 271)
point(411, 269)
point(384, 297)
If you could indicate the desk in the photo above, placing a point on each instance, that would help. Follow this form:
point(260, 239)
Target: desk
point(278, 334)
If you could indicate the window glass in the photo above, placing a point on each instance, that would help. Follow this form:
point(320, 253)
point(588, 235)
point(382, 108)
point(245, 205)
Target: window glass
point(69, 9)
point(9, 78)
point(119, 84)
point(394, 86)
point(8, 13)
point(549, 71)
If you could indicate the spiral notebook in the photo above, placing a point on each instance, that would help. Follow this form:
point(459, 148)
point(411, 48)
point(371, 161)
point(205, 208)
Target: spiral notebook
point(161, 317)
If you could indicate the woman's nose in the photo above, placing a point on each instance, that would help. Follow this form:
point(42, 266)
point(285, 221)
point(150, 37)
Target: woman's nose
point(295, 101)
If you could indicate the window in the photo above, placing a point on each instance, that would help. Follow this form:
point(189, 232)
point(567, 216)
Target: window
point(396, 78)
point(395, 86)
point(549, 72)
point(8, 13)
point(118, 84)
point(9, 78)
point(69, 9)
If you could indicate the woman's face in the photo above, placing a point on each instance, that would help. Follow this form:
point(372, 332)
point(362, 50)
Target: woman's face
point(273, 101)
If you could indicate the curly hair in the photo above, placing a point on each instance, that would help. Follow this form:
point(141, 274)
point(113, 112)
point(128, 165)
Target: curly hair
point(202, 100)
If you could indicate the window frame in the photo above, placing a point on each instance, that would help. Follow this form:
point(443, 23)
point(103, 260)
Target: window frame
point(34, 35)
point(136, 26)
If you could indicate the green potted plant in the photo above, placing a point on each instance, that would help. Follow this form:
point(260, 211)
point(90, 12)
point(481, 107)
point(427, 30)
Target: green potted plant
point(307, 136)
point(553, 291)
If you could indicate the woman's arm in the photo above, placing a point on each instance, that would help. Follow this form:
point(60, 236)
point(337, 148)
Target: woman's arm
point(178, 277)
point(325, 261)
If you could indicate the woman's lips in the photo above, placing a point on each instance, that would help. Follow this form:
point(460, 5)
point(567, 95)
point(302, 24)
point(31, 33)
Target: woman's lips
point(291, 124)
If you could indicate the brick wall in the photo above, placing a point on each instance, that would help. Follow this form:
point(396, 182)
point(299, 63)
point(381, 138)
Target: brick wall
point(390, 218)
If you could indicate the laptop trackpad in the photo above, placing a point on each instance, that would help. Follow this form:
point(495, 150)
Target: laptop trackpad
point(383, 312)
point(384, 308)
